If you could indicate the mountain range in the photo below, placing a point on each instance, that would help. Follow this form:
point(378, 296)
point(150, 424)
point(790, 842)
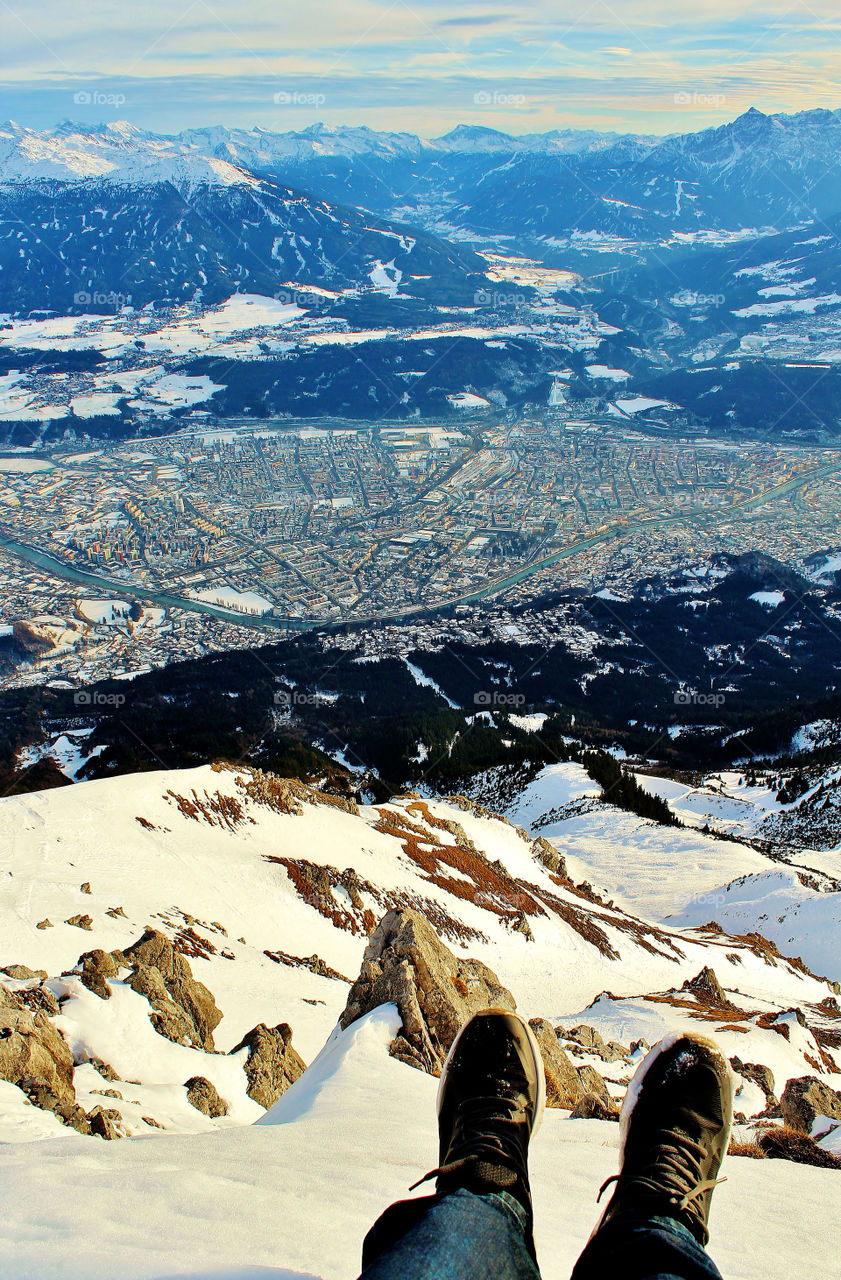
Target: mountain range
point(756, 171)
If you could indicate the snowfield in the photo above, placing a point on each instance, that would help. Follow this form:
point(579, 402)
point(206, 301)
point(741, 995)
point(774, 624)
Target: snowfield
point(292, 1197)
point(220, 859)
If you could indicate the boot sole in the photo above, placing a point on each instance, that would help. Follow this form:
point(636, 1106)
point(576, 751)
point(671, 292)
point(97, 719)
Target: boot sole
point(537, 1059)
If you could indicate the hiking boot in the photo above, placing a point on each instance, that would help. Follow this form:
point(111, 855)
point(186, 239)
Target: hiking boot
point(490, 1102)
point(675, 1128)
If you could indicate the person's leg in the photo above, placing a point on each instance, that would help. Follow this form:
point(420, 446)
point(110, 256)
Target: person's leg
point(675, 1128)
point(460, 1236)
point(642, 1248)
point(478, 1226)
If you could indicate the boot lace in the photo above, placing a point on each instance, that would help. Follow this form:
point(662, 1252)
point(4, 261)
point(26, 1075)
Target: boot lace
point(675, 1173)
point(487, 1142)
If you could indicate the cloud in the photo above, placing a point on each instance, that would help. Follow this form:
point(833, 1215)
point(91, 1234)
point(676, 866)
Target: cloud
point(419, 63)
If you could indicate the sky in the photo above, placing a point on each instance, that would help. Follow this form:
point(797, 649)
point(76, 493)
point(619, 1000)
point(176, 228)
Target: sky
point(644, 66)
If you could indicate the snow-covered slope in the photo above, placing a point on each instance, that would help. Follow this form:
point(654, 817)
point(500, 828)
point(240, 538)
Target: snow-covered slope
point(270, 889)
point(291, 1199)
point(684, 876)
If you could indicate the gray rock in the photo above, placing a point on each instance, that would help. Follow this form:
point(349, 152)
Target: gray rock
point(184, 1010)
point(81, 922)
point(708, 990)
point(407, 964)
point(546, 853)
point(760, 1075)
point(593, 1107)
point(587, 1037)
point(272, 1064)
point(96, 967)
point(202, 1095)
point(613, 1051)
point(35, 998)
point(33, 1055)
point(103, 1123)
point(593, 1083)
point(563, 1087)
point(105, 1069)
point(806, 1098)
point(23, 973)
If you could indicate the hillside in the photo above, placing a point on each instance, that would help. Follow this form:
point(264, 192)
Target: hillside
point(268, 890)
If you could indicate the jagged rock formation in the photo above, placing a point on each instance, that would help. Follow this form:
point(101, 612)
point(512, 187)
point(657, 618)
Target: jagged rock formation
point(563, 1086)
point(407, 964)
point(272, 1063)
point(760, 1075)
point(593, 1083)
point(183, 1009)
point(708, 990)
point(590, 1039)
point(204, 1096)
point(33, 1055)
point(806, 1098)
point(593, 1107)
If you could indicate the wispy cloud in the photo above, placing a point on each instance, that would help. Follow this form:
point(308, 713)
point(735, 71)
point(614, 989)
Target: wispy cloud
point(419, 65)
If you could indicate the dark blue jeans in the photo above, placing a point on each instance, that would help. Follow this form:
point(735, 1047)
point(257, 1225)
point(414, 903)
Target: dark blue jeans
point(463, 1236)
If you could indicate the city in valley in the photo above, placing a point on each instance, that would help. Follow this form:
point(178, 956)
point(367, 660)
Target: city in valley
point(122, 557)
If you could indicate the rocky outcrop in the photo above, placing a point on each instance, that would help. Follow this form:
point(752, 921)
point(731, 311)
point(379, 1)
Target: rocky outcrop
point(591, 1041)
point(81, 922)
point(272, 1064)
point(184, 1010)
point(593, 1107)
point(32, 1053)
point(706, 987)
point(407, 964)
point(22, 972)
point(593, 1083)
point(759, 1075)
point(105, 1122)
point(96, 967)
point(563, 1087)
point(546, 853)
point(203, 1095)
point(36, 1058)
point(806, 1098)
